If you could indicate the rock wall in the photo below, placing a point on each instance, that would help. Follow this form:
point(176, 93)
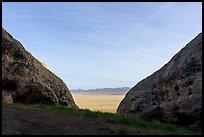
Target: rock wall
point(173, 93)
point(26, 80)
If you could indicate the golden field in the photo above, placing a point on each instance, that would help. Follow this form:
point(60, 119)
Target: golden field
point(103, 103)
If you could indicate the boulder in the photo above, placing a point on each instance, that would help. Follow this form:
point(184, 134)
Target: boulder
point(173, 93)
point(6, 97)
point(26, 80)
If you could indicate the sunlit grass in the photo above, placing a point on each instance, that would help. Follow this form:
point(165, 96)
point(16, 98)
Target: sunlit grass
point(103, 103)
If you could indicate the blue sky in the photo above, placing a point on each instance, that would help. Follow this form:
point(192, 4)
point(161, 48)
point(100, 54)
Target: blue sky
point(98, 44)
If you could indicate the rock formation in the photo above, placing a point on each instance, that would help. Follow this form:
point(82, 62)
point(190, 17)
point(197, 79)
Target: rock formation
point(26, 80)
point(173, 93)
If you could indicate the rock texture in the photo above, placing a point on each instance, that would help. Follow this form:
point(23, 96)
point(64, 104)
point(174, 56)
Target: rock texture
point(173, 93)
point(26, 80)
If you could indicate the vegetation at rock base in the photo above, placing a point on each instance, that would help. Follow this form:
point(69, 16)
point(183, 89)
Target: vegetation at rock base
point(108, 123)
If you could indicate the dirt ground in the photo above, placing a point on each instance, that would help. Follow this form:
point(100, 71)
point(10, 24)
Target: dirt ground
point(20, 121)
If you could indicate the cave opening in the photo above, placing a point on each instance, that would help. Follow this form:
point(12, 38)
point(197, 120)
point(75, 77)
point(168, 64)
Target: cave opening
point(9, 85)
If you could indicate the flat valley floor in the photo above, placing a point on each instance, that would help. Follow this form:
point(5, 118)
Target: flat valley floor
point(103, 103)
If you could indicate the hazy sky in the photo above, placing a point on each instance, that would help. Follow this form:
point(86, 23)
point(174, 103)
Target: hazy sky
point(108, 44)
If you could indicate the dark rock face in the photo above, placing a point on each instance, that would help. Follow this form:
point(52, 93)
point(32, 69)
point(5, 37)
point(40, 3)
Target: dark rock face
point(26, 80)
point(173, 93)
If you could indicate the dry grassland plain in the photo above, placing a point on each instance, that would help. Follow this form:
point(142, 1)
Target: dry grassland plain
point(102, 103)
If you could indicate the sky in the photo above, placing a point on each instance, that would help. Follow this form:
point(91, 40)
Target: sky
point(103, 44)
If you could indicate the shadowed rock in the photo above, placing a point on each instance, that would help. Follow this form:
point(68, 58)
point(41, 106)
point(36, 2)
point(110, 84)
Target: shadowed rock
point(173, 93)
point(26, 80)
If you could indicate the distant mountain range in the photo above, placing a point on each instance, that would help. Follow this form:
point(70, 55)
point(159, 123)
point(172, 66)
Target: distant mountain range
point(109, 91)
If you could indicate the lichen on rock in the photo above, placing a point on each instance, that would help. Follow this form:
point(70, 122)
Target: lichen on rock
point(173, 93)
point(26, 80)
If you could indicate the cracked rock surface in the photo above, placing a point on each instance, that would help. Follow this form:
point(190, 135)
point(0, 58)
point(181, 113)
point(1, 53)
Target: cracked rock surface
point(26, 80)
point(173, 93)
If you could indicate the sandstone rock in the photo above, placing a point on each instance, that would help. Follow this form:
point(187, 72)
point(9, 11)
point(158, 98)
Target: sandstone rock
point(26, 80)
point(6, 97)
point(173, 93)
